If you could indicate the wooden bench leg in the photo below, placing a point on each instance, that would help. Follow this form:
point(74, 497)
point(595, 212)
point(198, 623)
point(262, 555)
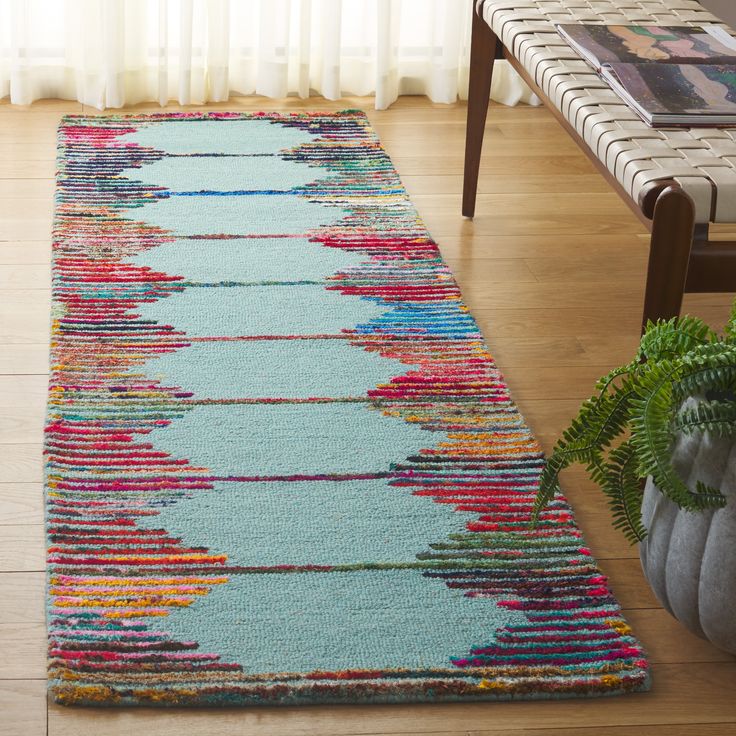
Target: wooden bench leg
point(483, 48)
point(673, 224)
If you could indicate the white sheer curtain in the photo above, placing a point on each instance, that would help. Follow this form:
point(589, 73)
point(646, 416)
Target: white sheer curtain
point(109, 53)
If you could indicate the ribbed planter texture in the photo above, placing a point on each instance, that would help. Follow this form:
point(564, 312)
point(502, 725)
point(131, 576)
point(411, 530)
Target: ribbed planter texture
point(689, 558)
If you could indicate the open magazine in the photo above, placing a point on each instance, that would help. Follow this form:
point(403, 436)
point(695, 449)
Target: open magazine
point(670, 75)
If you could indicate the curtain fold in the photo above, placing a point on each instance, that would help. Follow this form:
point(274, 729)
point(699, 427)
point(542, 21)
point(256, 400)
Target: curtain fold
point(111, 53)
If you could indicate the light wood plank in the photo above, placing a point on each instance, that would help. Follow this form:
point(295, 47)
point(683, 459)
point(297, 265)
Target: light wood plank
point(25, 316)
point(529, 184)
point(598, 318)
point(503, 270)
point(22, 547)
point(606, 248)
point(551, 414)
point(499, 165)
point(24, 392)
point(627, 582)
point(441, 224)
point(660, 631)
point(26, 276)
point(25, 189)
point(697, 729)
point(521, 129)
point(561, 273)
point(406, 143)
point(21, 426)
point(675, 729)
point(561, 353)
point(21, 503)
point(553, 203)
point(716, 315)
point(17, 170)
point(719, 304)
point(48, 106)
point(32, 151)
point(533, 381)
point(21, 463)
point(25, 219)
point(604, 541)
point(524, 130)
point(540, 295)
point(29, 125)
point(30, 252)
point(573, 268)
point(22, 599)
point(24, 651)
point(611, 350)
point(23, 708)
point(512, 352)
point(605, 335)
point(21, 359)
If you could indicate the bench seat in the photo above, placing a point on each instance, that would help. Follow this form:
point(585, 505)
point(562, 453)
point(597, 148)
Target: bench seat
point(701, 160)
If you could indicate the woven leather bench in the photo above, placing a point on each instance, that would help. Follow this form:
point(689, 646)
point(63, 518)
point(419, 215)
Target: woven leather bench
point(676, 180)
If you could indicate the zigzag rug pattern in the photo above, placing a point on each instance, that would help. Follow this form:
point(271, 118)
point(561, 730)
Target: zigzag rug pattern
point(282, 466)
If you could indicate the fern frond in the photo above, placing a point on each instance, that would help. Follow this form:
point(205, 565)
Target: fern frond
point(708, 368)
point(677, 359)
point(604, 383)
point(716, 417)
point(600, 420)
point(652, 416)
point(669, 339)
point(730, 330)
point(651, 419)
point(549, 482)
point(618, 478)
point(709, 497)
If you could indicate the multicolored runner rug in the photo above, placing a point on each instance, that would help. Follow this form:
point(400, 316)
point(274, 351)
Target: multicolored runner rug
point(281, 464)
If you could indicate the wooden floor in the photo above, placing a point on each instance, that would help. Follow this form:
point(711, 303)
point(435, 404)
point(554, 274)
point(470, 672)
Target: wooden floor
point(552, 267)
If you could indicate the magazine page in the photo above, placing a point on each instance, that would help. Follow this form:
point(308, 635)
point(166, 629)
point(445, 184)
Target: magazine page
point(602, 44)
point(677, 89)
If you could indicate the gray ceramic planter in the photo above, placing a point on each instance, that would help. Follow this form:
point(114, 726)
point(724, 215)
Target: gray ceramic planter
point(689, 558)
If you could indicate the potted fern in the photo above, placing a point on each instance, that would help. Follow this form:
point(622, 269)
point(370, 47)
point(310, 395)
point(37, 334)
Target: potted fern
point(668, 418)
